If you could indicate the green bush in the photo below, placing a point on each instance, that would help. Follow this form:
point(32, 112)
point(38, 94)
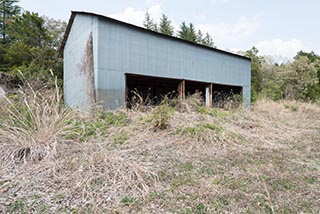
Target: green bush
point(161, 116)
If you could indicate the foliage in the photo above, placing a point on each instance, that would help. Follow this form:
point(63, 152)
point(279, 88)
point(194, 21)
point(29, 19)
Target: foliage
point(85, 129)
point(256, 72)
point(30, 45)
point(29, 29)
point(165, 26)
point(8, 11)
point(297, 79)
point(205, 40)
point(121, 138)
point(208, 41)
point(129, 201)
point(186, 32)
point(161, 116)
point(294, 80)
point(149, 23)
point(214, 112)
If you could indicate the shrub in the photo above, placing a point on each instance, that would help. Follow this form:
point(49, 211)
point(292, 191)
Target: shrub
point(161, 116)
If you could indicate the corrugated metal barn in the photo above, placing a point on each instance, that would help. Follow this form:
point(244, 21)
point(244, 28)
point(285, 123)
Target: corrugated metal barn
point(105, 60)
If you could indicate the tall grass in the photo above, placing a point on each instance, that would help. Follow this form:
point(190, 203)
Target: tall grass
point(35, 121)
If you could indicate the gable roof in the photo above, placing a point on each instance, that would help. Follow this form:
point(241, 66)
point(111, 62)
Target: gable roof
point(74, 13)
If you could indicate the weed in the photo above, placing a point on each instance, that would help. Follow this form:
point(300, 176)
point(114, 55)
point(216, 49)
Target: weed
point(58, 197)
point(188, 211)
point(218, 129)
point(18, 206)
point(158, 195)
point(202, 132)
point(120, 138)
point(188, 166)
point(185, 178)
point(116, 119)
point(129, 201)
point(310, 179)
point(214, 112)
point(86, 128)
point(44, 208)
point(291, 107)
point(220, 203)
point(230, 182)
point(262, 202)
point(207, 171)
point(161, 116)
point(200, 209)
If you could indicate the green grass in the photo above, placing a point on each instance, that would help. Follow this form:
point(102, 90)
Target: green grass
point(18, 206)
point(129, 201)
point(214, 112)
point(84, 129)
point(202, 132)
point(121, 138)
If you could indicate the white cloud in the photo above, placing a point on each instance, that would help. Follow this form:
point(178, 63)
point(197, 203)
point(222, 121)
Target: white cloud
point(212, 2)
point(130, 15)
point(155, 11)
point(224, 33)
point(136, 17)
point(153, 2)
point(284, 48)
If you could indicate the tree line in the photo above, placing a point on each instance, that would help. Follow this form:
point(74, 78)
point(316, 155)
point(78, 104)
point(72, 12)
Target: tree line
point(297, 79)
point(186, 31)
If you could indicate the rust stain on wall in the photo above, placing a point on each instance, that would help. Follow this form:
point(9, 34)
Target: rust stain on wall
point(87, 69)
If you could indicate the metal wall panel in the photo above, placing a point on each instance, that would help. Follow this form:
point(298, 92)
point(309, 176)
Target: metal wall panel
point(75, 81)
point(126, 50)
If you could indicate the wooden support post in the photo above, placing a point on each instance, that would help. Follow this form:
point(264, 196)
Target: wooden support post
point(126, 92)
point(209, 95)
point(182, 89)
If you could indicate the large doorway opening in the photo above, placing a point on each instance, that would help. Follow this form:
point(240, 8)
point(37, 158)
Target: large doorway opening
point(148, 90)
point(199, 89)
point(226, 96)
point(144, 90)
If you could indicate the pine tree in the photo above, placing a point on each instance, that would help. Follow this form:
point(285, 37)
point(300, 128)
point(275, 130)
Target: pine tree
point(192, 35)
point(183, 32)
point(149, 23)
point(208, 41)
point(29, 29)
point(8, 10)
point(165, 26)
point(199, 37)
point(187, 32)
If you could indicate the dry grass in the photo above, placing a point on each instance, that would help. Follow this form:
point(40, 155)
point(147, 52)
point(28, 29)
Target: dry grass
point(204, 161)
point(35, 121)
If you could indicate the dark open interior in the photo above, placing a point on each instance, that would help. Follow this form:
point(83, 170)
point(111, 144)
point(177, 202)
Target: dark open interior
point(193, 87)
point(150, 89)
point(141, 89)
point(224, 93)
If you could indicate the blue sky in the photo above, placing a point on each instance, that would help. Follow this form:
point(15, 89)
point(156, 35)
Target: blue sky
point(278, 28)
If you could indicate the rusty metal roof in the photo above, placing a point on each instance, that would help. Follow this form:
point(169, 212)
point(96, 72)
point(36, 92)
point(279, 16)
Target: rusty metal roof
point(74, 13)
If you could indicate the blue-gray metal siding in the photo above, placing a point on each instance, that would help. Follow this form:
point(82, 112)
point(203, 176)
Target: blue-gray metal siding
point(75, 81)
point(119, 49)
point(126, 50)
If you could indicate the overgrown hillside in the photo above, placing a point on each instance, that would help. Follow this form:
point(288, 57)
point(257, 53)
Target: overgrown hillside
point(181, 159)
